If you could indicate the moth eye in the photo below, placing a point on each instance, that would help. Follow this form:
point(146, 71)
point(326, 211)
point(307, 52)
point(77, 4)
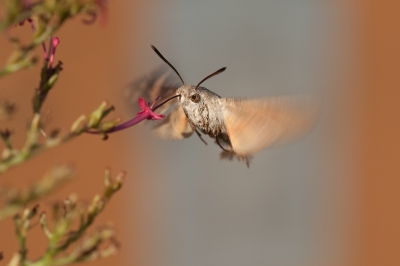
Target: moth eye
point(195, 98)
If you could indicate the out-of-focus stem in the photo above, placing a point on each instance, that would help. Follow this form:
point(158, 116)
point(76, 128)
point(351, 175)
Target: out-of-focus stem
point(17, 200)
point(33, 147)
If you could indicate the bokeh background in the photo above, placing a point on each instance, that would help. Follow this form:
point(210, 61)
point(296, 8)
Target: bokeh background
point(330, 199)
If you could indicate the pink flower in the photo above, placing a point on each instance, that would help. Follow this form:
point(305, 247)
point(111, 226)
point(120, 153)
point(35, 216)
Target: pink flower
point(52, 44)
point(147, 110)
point(49, 74)
point(52, 50)
point(147, 113)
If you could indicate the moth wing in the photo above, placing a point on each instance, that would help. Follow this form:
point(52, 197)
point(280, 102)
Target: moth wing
point(255, 124)
point(174, 126)
point(160, 82)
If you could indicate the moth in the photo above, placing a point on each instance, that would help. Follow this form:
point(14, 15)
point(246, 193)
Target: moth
point(241, 127)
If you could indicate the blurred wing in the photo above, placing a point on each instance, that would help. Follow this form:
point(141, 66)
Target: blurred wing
point(174, 126)
point(254, 124)
point(161, 82)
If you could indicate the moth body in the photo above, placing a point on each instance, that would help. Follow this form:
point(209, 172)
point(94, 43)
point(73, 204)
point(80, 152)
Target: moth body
point(240, 126)
point(202, 109)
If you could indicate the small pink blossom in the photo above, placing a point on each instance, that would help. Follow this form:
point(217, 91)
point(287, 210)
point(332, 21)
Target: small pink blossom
point(52, 50)
point(147, 110)
point(52, 43)
point(147, 113)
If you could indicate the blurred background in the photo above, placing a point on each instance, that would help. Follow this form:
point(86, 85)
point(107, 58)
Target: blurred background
point(331, 198)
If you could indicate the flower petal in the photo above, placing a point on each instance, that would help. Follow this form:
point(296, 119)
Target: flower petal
point(143, 104)
point(154, 116)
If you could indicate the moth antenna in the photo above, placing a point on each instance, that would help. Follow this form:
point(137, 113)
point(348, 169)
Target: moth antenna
point(211, 75)
point(168, 63)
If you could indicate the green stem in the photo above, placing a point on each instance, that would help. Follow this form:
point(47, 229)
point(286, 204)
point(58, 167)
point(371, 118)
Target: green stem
point(31, 149)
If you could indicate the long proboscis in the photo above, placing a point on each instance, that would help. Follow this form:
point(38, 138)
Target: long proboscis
point(211, 75)
point(168, 63)
point(167, 100)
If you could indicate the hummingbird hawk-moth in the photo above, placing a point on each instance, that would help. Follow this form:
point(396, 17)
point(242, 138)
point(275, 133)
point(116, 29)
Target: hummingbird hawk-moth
point(241, 127)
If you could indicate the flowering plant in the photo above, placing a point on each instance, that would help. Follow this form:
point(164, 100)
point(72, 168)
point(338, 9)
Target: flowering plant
point(65, 246)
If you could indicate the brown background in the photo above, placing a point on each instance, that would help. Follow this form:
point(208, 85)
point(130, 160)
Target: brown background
point(87, 81)
point(95, 60)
